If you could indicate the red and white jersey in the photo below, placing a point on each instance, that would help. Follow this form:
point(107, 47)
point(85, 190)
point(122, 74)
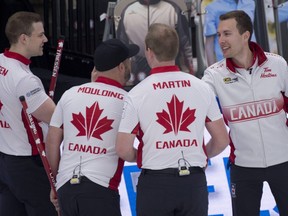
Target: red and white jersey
point(17, 80)
point(253, 107)
point(90, 115)
point(168, 111)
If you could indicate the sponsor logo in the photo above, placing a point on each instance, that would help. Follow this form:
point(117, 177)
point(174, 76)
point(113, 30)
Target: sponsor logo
point(34, 91)
point(267, 73)
point(228, 80)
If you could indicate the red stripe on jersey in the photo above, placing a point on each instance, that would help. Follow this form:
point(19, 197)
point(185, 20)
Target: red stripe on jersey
point(115, 180)
point(29, 133)
point(140, 148)
point(207, 119)
point(285, 105)
point(232, 156)
point(204, 149)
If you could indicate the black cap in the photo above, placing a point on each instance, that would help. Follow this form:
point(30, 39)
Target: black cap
point(111, 53)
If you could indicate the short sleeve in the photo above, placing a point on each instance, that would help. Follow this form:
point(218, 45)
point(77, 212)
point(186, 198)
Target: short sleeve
point(214, 112)
point(209, 79)
point(129, 119)
point(57, 117)
point(32, 89)
point(210, 22)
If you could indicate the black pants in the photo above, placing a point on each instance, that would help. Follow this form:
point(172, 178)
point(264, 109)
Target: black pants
point(247, 188)
point(24, 187)
point(168, 194)
point(88, 199)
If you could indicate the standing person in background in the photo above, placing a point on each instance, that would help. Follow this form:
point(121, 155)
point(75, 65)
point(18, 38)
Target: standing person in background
point(86, 119)
point(283, 12)
point(211, 22)
point(24, 186)
point(169, 111)
point(252, 87)
point(133, 26)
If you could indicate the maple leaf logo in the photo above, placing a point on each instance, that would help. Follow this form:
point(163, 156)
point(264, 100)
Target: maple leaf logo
point(175, 119)
point(92, 125)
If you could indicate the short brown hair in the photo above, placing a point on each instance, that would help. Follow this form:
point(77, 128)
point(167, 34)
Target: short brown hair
point(20, 23)
point(243, 21)
point(163, 41)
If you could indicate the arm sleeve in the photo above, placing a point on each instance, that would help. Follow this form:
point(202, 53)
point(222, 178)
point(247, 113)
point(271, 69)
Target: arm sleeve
point(130, 118)
point(208, 78)
point(283, 12)
point(210, 22)
point(248, 6)
point(33, 90)
point(57, 117)
point(121, 31)
point(213, 111)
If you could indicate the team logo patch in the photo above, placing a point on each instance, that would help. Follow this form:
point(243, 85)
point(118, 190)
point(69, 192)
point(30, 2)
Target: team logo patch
point(32, 92)
point(176, 119)
point(228, 80)
point(91, 124)
point(233, 190)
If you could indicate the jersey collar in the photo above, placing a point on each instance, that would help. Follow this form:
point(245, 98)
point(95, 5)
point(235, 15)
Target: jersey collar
point(257, 53)
point(17, 56)
point(108, 81)
point(163, 69)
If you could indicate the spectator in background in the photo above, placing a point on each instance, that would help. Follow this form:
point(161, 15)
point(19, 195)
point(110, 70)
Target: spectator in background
point(252, 87)
point(283, 12)
point(133, 26)
point(211, 21)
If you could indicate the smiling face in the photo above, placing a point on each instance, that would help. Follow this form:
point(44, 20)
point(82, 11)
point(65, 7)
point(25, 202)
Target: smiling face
point(35, 41)
point(232, 43)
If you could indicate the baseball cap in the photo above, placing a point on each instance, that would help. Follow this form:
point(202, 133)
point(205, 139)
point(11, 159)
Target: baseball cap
point(112, 52)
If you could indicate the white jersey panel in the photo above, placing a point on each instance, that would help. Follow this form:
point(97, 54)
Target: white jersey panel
point(90, 116)
point(13, 80)
point(171, 109)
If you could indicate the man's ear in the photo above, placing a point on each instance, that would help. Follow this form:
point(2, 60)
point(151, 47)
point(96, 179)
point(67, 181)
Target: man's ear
point(22, 38)
point(247, 35)
point(121, 66)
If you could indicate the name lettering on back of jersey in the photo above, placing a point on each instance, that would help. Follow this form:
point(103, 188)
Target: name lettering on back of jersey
point(3, 124)
point(91, 124)
point(3, 71)
point(86, 148)
point(100, 92)
point(176, 143)
point(175, 120)
point(253, 110)
point(172, 84)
